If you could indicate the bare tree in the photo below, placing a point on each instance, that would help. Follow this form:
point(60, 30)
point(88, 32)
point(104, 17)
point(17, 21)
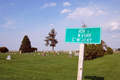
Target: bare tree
point(84, 25)
point(103, 44)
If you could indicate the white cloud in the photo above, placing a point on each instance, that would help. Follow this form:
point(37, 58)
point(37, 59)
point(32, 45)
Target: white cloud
point(114, 36)
point(65, 11)
point(91, 2)
point(97, 8)
point(86, 12)
point(51, 24)
point(113, 25)
point(49, 5)
point(12, 4)
point(9, 24)
point(78, 12)
point(66, 4)
point(116, 12)
point(101, 12)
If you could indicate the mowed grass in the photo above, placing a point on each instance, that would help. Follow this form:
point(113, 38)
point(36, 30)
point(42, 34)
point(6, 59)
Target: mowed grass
point(59, 67)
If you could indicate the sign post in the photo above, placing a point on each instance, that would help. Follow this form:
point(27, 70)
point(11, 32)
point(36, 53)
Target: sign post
point(80, 62)
point(82, 36)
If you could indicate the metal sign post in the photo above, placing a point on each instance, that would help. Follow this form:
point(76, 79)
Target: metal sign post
point(80, 62)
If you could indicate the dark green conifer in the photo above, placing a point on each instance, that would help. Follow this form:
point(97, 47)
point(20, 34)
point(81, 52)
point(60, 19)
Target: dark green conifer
point(26, 45)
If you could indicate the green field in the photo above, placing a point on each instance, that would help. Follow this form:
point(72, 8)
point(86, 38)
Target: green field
point(60, 67)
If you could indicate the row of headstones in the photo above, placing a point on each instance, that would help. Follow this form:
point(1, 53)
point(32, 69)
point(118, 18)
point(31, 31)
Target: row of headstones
point(43, 54)
point(9, 57)
point(76, 53)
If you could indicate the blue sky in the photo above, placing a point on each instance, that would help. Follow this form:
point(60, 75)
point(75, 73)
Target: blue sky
point(36, 18)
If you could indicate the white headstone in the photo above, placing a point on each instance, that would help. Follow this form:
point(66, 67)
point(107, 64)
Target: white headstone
point(38, 53)
point(8, 57)
point(58, 53)
point(76, 54)
point(70, 52)
point(20, 52)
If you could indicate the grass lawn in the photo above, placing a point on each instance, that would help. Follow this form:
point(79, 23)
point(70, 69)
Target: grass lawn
point(60, 67)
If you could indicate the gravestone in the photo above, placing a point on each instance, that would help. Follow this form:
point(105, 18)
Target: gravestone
point(58, 53)
point(20, 52)
point(70, 52)
point(38, 53)
point(8, 57)
point(43, 54)
point(70, 56)
point(54, 54)
point(76, 53)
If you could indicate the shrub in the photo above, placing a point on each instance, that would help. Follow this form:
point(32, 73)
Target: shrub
point(93, 51)
point(33, 49)
point(109, 50)
point(105, 53)
point(118, 49)
point(3, 49)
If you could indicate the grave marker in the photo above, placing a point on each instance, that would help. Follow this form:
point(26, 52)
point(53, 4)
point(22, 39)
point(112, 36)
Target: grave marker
point(70, 52)
point(43, 54)
point(69, 55)
point(8, 57)
point(58, 53)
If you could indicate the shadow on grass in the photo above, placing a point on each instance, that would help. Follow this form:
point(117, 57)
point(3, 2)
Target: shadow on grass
point(94, 78)
point(2, 58)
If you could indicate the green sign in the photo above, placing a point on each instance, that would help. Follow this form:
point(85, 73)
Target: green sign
point(83, 35)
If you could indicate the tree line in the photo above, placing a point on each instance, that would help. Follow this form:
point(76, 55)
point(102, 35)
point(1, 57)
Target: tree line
point(91, 50)
point(50, 40)
point(25, 46)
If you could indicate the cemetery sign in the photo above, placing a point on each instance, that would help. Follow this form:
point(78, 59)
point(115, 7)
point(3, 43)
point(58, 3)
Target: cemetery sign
point(83, 35)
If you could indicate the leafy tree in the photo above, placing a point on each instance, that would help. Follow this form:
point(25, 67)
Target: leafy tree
point(3, 49)
point(51, 38)
point(26, 45)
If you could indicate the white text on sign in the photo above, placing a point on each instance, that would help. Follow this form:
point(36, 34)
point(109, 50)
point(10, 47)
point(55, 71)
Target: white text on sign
point(83, 36)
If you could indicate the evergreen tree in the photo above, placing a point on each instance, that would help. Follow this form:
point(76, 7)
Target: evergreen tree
point(26, 45)
point(51, 38)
